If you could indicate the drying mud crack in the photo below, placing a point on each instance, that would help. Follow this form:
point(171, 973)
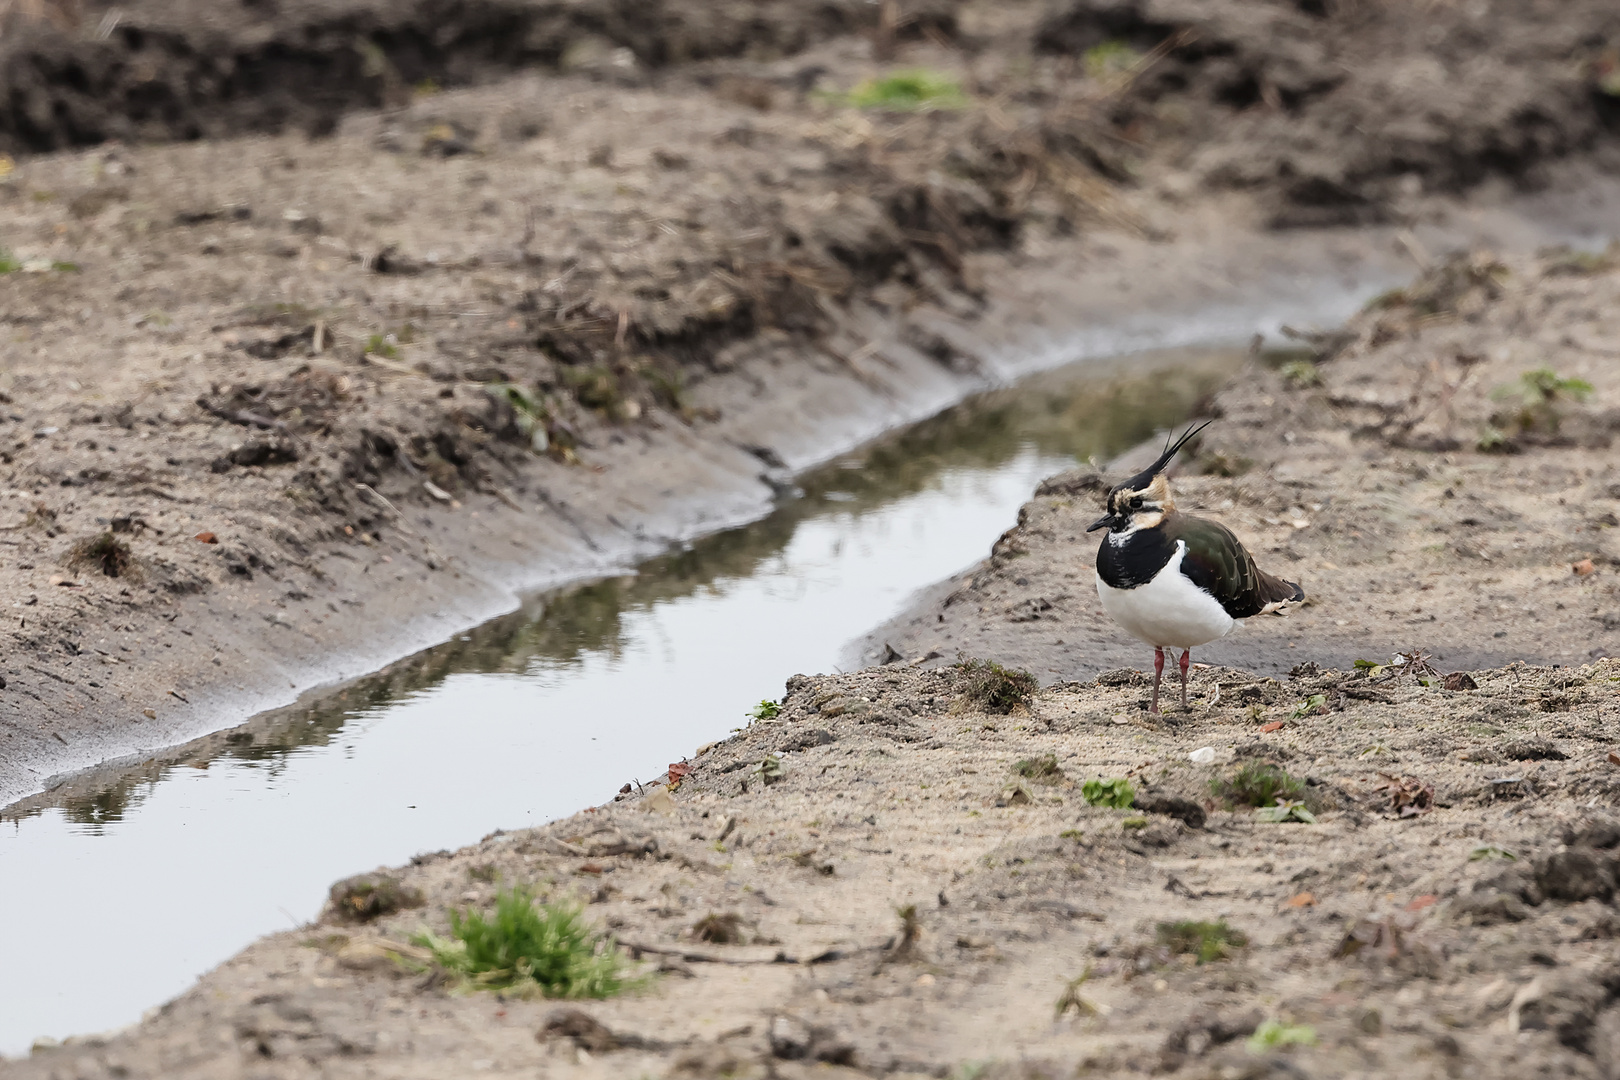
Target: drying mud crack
point(920, 888)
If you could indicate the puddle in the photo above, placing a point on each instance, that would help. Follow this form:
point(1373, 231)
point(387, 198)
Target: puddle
point(129, 892)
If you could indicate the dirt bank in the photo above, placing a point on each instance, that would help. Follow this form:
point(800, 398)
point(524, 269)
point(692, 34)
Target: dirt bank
point(399, 363)
point(1450, 909)
point(1414, 471)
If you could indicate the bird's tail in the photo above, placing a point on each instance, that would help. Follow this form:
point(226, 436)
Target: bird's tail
point(1274, 591)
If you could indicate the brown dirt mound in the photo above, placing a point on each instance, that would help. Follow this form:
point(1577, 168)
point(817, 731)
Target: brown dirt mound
point(158, 71)
point(1343, 109)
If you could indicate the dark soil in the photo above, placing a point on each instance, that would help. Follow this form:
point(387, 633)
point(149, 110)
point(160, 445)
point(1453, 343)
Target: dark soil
point(1341, 111)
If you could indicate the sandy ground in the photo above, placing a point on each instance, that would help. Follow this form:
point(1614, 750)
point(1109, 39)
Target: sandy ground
point(1368, 487)
point(1397, 927)
point(331, 353)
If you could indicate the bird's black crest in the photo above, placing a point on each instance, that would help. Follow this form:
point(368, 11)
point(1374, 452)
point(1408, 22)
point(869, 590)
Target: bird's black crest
point(1145, 477)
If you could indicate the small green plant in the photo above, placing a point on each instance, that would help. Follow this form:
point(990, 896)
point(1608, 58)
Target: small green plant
point(1272, 1034)
point(1493, 440)
point(1208, 941)
point(1311, 706)
point(526, 946)
point(1490, 851)
point(381, 345)
point(1284, 810)
point(1133, 823)
point(1071, 1000)
point(765, 710)
point(1259, 783)
point(993, 688)
point(909, 91)
point(9, 263)
point(1073, 834)
point(1371, 667)
point(1114, 792)
point(1109, 59)
point(1042, 770)
point(1300, 375)
point(770, 770)
point(1540, 394)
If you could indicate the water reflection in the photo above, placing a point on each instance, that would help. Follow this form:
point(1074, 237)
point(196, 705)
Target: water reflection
point(528, 717)
point(1070, 414)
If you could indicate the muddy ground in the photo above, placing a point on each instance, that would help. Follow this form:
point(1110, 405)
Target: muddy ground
point(1401, 469)
point(489, 267)
point(1449, 912)
point(401, 343)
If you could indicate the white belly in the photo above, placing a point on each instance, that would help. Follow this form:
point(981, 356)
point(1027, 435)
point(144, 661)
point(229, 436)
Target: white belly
point(1169, 611)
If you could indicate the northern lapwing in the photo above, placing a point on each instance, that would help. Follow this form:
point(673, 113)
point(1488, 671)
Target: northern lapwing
point(1172, 579)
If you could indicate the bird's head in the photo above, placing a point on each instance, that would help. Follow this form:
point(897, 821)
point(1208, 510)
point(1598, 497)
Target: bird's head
point(1142, 501)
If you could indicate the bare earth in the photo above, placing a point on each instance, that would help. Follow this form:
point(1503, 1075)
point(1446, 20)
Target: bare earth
point(406, 361)
point(1401, 941)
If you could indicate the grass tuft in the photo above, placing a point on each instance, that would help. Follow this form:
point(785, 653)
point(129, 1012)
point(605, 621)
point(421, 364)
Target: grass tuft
point(528, 946)
point(994, 688)
point(1259, 783)
point(909, 91)
point(1042, 770)
point(1300, 375)
point(106, 553)
point(1208, 941)
point(1272, 1034)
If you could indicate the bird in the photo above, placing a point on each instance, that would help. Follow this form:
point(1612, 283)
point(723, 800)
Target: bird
point(1174, 580)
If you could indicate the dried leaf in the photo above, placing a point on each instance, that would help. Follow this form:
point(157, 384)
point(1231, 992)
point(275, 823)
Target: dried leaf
point(1275, 725)
point(206, 538)
point(1301, 900)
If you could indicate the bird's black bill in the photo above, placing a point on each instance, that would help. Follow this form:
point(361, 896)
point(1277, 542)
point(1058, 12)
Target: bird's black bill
point(1104, 522)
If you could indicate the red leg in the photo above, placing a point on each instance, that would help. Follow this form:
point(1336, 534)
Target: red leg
point(1186, 658)
point(1158, 673)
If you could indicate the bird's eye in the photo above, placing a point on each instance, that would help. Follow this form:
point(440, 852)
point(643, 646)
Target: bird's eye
point(1136, 503)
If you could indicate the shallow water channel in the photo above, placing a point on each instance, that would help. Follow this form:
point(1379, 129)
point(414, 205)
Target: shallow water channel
point(116, 901)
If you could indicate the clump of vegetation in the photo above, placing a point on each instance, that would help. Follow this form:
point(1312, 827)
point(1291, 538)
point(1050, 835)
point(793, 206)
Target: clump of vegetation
point(1110, 59)
point(994, 688)
point(770, 770)
point(1540, 396)
point(9, 263)
point(1259, 783)
point(1208, 941)
point(532, 418)
point(1115, 792)
point(1071, 998)
point(1490, 851)
point(384, 345)
point(909, 91)
point(371, 896)
point(1300, 375)
point(765, 710)
point(1272, 1034)
point(106, 553)
point(1311, 706)
point(530, 947)
point(1042, 770)
point(1284, 810)
point(719, 928)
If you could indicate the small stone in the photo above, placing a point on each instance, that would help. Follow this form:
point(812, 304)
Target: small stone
point(1204, 755)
